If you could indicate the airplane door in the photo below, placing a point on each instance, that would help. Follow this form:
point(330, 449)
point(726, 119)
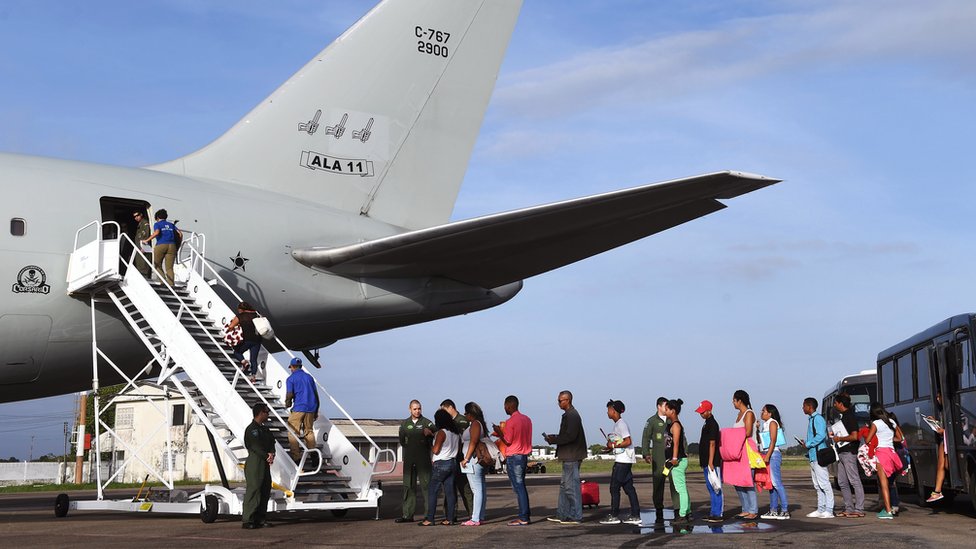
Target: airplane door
point(120, 210)
point(22, 354)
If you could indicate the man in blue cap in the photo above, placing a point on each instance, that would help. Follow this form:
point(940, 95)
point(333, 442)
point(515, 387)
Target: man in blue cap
point(303, 399)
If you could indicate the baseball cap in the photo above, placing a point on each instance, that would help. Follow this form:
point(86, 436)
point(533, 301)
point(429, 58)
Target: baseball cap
point(295, 362)
point(705, 406)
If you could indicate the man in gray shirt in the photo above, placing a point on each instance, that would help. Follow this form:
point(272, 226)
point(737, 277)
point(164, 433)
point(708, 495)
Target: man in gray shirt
point(571, 449)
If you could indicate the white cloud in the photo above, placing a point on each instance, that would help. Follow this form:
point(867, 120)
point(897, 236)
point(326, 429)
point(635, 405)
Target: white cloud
point(825, 35)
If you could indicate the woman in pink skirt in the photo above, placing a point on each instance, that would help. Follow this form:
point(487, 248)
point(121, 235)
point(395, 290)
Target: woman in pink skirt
point(888, 432)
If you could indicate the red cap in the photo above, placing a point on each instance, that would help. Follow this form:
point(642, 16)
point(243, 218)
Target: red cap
point(705, 406)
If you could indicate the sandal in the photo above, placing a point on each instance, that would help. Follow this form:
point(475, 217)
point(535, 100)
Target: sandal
point(446, 522)
point(425, 523)
point(518, 522)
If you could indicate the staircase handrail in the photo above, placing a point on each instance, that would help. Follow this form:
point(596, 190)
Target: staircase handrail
point(292, 355)
point(220, 346)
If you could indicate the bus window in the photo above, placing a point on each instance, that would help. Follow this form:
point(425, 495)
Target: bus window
point(887, 371)
point(967, 373)
point(904, 378)
point(923, 383)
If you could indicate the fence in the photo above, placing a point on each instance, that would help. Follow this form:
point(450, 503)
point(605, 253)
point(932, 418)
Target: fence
point(40, 472)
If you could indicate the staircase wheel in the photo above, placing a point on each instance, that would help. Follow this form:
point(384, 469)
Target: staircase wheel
point(61, 506)
point(209, 510)
point(339, 513)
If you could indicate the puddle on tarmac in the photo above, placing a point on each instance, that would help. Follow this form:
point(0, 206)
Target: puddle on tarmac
point(730, 526)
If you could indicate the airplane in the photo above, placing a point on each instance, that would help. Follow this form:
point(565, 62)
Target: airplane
point(331, 234)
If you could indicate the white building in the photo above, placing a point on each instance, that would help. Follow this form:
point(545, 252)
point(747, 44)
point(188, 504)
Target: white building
point(143, 433)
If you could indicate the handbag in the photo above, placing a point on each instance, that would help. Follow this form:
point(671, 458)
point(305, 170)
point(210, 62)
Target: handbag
point(482, 454)
point(827, 454)
point(755, 458)
point(780, 437)
point(263, 327)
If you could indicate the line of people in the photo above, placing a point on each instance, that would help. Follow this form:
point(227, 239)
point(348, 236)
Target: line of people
point(441, 455)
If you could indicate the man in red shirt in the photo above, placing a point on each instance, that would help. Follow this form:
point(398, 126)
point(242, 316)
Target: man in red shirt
point(517, 435)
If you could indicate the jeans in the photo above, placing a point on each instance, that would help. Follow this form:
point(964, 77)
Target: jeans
point(678, 477)
point(747, 497)
point(777, 496)
point(570, 505)
point(477, 482)
point(821, 483)
point(622, 477)
point(893, 492)
point(442, 474)
point(847, 477)
point(516, 474)
point(254, 347)
point(717, 500)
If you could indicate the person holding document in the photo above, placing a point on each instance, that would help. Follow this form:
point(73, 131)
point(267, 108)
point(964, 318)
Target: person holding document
point(844, 434)
point(771, 438)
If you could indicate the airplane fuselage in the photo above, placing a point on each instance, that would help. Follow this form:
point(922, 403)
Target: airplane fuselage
point(45, 334)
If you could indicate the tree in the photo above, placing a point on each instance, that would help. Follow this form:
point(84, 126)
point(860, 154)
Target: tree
point(105, 394)
point(596, 448)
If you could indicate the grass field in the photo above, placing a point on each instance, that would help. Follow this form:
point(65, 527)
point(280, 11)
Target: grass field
point(604, 466)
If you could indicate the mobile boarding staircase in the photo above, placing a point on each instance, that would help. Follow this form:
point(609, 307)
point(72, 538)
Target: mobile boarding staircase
point(182, 327)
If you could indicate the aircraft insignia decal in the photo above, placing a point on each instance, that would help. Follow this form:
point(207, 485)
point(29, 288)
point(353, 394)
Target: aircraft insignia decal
point(312, 125)
point(333, 164)
point(31, 280)
point(239, 262)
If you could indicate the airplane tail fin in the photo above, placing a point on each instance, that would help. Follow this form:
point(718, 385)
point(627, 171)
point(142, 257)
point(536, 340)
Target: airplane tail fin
point(382, 122)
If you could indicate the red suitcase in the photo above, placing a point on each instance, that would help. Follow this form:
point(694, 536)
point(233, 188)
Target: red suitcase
point(591, 493)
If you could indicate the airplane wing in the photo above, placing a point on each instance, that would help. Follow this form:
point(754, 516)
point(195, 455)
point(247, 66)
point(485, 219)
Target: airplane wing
point(497, 249)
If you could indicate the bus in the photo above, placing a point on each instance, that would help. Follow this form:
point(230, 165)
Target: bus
point(862, 387)
point(911, 375)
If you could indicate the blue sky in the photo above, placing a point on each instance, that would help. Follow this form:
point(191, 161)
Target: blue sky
point(866, 112)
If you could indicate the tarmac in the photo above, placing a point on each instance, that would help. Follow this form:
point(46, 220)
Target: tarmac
point(27, 520)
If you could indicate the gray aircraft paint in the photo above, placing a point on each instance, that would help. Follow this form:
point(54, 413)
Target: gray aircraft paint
point(268, 190)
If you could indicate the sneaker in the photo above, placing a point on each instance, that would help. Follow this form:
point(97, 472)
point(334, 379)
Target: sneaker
point(610, 519)
point(885, 515)
point(771, 515)
point(633, 520)
point(827, 515)
point(574, 521)
point(813, 514)
point(553, 519)
point(783, 515)
point(935, 496)
point(894, 510)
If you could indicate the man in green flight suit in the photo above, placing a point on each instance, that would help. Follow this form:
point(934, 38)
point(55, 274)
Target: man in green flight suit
point(461, 485)
point(260, 444)
point(416, 438)
point(654, 432)
point(143, 230)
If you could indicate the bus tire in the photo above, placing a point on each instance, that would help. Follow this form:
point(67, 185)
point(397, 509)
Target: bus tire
point(61, 505)
point(339, 513)
point(210, 509)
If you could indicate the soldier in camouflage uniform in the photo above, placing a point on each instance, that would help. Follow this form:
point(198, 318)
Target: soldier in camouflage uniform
point(653, 447)
point(416, 437)
point(260, 444)
point(142, 233)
